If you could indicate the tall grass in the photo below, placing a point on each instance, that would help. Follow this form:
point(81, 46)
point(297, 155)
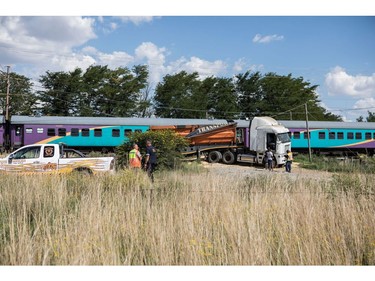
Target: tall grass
point(185, 218)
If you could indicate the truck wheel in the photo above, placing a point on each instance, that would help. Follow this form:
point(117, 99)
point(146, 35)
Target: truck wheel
point(83, 171)
point(214, 156)
point(228, 157)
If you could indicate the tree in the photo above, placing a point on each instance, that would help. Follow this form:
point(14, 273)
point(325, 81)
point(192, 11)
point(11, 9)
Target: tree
point(282, 97)
point(61, 94)
point(180, 96)
point(99, 91)
point(369, 118)
point(222, 99)
point(22, 100)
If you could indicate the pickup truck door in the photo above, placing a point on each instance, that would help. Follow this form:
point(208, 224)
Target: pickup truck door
point(27, 159)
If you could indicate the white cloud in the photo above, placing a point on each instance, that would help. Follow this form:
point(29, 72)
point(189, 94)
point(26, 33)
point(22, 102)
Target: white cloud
point(366, 104)
point(38, 44)
point(339, 82)
point(34, 39)
point(136, 20)
point(258, 38)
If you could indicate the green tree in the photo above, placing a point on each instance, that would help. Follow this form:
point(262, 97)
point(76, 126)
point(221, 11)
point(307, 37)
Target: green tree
point(222, 99)
point(279, 96)
point(61, 94)
point(179, 96)
point(22, 99)
point(99, 91)
point(369, 118)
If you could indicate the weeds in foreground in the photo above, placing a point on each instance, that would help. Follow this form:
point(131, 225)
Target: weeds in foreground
point(186, 218)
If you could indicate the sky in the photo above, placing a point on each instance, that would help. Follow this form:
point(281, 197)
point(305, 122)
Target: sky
point(335, 51)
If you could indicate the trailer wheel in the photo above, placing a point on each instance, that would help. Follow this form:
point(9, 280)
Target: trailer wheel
point(228, 157)
point(214, 156)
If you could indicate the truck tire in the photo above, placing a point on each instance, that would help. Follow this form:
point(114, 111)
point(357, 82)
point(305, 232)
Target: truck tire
point(214, 156)
point(83, 171)
point(229, 157)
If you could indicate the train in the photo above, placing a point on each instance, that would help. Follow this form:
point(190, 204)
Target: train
point(105, 133)
point(332, 137)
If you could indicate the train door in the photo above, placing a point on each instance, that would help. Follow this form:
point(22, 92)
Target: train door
point(17, 136)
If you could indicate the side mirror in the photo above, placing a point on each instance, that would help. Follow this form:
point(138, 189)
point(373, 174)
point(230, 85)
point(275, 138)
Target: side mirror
point(10, 158)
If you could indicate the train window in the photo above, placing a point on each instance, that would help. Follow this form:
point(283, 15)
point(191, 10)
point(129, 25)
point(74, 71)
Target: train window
point(115, 132)
point(350, 136)
point(332, 135)
point(358, 136)
point(51, 132)
point(322, 135)
point(368, 136)
point(29, 130)
point(138, 131)
point(85, 132)
point(305, 135)
point(40, 130)
point(127, 132)
point(74, 132)
point(97, 132)
point(61, 132)
point(296, 135)
point(340, 135)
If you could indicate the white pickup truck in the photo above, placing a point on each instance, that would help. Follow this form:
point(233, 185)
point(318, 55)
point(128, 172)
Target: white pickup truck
point(51, 158)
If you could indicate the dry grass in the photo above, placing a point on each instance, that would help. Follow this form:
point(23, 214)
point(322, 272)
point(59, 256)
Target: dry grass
point(186, 218)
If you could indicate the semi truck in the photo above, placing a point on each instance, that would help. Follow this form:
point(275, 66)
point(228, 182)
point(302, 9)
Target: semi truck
point(240, 141)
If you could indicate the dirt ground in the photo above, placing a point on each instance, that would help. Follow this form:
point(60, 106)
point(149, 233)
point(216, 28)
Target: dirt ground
point(244, 170)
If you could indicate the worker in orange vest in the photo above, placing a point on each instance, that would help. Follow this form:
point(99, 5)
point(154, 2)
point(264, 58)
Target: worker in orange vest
point(135, 158)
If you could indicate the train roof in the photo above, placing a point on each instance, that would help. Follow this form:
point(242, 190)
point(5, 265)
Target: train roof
point(109, 121)
point(327, 124)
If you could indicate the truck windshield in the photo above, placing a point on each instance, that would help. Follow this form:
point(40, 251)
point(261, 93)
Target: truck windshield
point(283, 137)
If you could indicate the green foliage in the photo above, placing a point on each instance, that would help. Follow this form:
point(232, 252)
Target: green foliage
point(99, 91)
point(22, 99)
point(369, 118)
point(166, 142)
point(362, 164)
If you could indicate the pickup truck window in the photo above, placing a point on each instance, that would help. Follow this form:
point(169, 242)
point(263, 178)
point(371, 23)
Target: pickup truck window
point(27, 153)
point(49, 151)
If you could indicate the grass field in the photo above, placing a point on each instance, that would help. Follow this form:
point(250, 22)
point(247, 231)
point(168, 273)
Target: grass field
point(188, 217)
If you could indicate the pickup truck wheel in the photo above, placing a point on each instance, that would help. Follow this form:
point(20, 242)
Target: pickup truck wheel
point(214, 156)
point(228, 157)
point(83, 171)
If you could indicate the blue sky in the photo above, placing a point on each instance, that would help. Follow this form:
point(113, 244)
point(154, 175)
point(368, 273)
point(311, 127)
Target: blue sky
point(335, 52)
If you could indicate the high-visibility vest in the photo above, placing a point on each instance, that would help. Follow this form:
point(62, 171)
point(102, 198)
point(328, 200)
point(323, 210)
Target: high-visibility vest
point(134, 159)
point(290, 156)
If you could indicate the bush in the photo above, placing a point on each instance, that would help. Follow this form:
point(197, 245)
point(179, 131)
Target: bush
point(167, 143)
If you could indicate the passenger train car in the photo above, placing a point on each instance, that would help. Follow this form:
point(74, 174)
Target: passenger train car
point(344, 138)
point(86, 133)
point(106, 133)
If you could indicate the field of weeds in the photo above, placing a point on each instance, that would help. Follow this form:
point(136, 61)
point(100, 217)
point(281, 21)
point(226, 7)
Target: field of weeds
point(188, 217)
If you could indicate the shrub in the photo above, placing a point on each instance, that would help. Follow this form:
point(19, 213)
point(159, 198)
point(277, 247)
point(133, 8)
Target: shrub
point(166, 142)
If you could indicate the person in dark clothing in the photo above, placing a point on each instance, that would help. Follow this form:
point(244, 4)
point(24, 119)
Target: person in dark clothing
point(151, 160)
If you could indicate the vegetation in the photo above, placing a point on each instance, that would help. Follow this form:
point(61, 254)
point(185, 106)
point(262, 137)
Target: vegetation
point(362, 164)
point(167, 143)
point(369, 118)
point(124, 92)
point(185, 218)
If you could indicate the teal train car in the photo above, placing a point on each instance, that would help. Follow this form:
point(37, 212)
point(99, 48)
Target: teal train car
point(86, 133)
point(342, 138)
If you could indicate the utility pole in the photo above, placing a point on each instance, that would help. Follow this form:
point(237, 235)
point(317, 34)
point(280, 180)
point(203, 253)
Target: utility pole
point(308, 132)
point(7, 115)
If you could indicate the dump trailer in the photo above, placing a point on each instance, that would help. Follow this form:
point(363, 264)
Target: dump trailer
point(230, 143)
